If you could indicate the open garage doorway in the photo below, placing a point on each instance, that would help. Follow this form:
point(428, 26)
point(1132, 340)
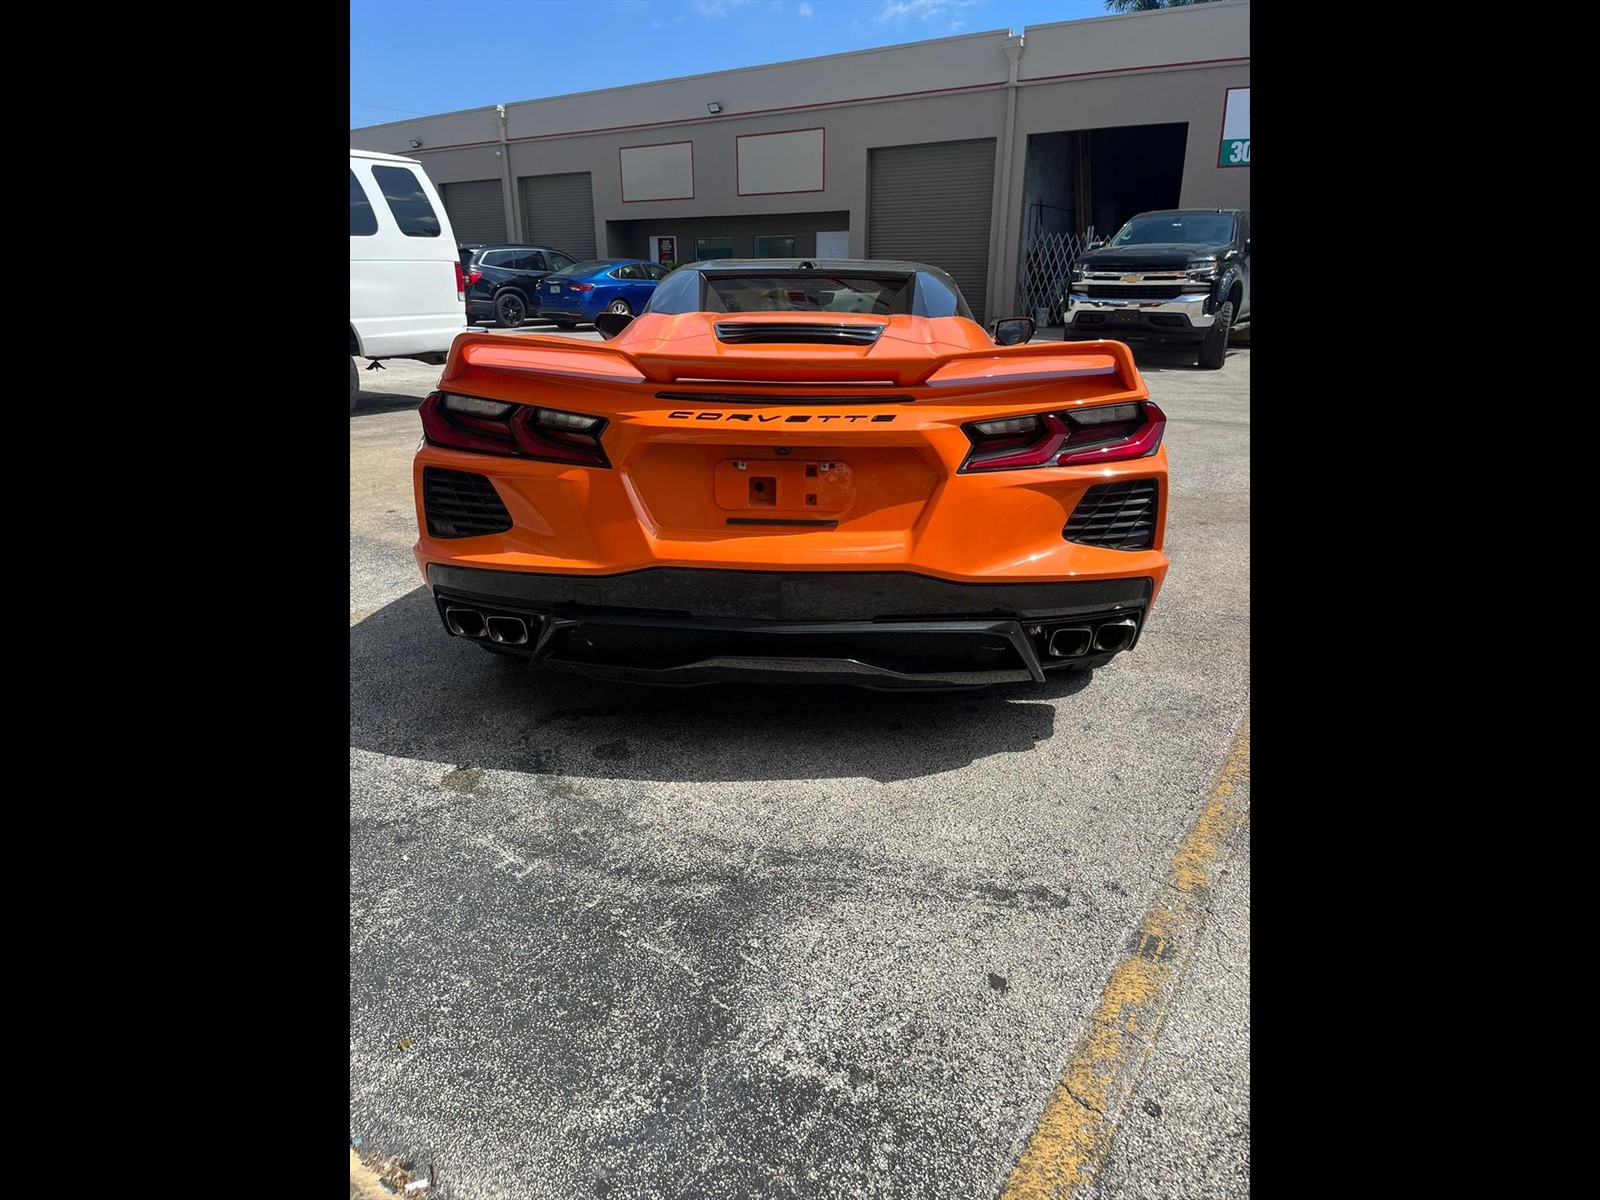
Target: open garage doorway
point(1083, 183)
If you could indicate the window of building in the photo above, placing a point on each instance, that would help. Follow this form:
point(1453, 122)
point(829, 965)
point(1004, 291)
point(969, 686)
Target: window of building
point(363, 221)
point(709, 248)
point(407, 201)
point(774, 247)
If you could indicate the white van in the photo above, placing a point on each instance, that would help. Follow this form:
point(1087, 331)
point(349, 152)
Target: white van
point(407, 294)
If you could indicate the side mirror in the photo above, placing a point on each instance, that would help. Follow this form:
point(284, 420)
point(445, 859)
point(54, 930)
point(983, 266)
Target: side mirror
point(610, 324)
point(1097, 243)
point(1012, 331)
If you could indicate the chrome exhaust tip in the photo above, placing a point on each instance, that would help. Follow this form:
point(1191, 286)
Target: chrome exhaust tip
point(464, 622)
point(1071, 642)
point(1116, 635)
point(508, 631)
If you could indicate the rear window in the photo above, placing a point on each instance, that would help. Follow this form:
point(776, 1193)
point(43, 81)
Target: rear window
point(811, 292)
point(363, 221)
point(407, 201)
point(591, 267)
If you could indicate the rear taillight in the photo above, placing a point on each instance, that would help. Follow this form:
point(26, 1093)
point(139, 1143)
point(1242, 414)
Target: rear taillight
point(1076, 437)
point(580, 287)
point(474, 276)
point(517, 430)
point(461, 287)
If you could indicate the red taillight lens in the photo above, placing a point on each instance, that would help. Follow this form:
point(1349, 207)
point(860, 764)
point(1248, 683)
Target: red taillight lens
point(461, 287)
point(1073, 438)
point(515, 430)
point(474, 276)
point(581, 287)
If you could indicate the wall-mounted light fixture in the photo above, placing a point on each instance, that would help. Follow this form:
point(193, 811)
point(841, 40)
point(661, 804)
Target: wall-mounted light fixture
point(415, 144)
point(713, 108)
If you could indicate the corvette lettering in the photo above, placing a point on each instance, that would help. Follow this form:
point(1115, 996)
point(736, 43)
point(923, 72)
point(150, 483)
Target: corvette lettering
point(797, 419)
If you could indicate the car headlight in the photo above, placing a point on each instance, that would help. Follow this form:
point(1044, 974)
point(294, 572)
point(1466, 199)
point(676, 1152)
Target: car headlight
point(1205, 269)
point(1077, 271)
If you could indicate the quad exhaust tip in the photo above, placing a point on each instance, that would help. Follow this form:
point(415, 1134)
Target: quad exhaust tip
point(464, 622)
point(502, 630)
point(508, 631)
point(1071, 642)
point(1116, 635)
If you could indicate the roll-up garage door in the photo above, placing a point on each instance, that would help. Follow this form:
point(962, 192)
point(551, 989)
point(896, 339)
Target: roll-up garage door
point(477, 210)
point(932, 204)
point(559, 212)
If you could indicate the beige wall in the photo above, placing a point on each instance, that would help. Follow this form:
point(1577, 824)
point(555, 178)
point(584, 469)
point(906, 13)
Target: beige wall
point(1143, 68)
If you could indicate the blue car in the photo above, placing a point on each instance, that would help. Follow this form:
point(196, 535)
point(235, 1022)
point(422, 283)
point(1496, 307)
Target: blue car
point(584, 290)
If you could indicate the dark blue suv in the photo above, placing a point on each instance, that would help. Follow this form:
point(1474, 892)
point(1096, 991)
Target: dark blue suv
point(503, 280)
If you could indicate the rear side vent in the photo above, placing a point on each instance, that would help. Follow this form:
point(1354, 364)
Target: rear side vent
point(460, 504)
point(1118, 516)
point(808, 333)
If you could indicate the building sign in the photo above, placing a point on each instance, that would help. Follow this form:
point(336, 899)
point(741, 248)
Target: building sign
point(664, 249)
point(1235, 129)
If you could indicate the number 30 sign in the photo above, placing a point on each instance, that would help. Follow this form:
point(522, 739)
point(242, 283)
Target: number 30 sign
point(1235, 129)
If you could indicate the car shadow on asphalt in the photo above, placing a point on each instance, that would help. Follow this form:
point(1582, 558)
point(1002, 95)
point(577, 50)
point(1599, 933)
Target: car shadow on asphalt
point(1152, 359)
point(416, 692)
point(383, 402)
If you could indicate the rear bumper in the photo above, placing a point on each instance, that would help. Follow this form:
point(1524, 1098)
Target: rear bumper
point(886, 630)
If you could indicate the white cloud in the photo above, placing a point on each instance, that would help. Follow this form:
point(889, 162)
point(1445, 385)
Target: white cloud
point(718, 8)
point(899, 11)
point(805, 10)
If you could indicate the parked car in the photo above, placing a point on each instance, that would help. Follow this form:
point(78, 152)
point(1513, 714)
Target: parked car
point(584, 290)
point(406, 289)
point(1180, 275)
point(786, 470)
point(503, 280)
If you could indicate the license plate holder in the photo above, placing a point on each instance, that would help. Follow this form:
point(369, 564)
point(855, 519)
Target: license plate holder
point(784, 486)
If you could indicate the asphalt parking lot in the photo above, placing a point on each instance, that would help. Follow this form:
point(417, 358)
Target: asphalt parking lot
point(726, 942)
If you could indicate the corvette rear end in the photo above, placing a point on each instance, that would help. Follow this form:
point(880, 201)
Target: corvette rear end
point(848, 481)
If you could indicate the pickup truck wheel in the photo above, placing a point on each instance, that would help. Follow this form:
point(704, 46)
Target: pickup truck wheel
point(509, 309)
point(1215, 346)
point(355, 384)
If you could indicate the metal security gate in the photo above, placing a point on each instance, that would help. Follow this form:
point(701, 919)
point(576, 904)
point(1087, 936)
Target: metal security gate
point(477, 210)
point(1044, 273)
point(933, 204)
point(558, 211)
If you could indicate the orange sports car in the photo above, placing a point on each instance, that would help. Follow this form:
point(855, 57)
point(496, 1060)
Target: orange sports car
point(781, 469)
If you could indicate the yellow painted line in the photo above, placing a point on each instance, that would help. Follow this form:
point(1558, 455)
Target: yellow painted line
point(1075, 1131)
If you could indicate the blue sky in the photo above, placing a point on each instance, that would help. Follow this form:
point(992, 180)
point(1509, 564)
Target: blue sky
point(420, 57)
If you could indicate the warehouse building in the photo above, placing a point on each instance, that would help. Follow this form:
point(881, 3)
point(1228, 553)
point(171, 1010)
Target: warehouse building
point(992, 155)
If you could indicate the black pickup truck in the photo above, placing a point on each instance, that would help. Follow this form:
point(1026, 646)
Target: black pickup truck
point(1181, 275)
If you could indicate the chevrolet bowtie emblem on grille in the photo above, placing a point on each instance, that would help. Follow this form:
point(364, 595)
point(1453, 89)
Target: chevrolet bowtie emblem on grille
point(1132, 278)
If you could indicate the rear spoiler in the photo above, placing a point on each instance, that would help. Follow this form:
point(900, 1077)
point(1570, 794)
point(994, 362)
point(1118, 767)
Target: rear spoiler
point(530, 357)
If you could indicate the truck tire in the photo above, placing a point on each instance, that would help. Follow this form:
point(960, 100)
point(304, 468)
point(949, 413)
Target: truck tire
point(1215, 346)
point(355, 384)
